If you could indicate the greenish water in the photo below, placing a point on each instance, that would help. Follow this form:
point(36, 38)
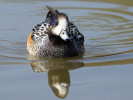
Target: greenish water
point(103, 73)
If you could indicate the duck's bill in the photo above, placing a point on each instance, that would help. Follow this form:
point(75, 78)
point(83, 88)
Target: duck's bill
point(64, 35)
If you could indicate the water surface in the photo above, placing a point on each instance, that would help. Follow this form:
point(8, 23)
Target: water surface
point(103, 73)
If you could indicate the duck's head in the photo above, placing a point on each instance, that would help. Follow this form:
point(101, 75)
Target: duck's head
point(59, 24)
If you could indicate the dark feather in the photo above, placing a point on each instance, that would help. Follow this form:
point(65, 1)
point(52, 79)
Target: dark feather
point(51, 9)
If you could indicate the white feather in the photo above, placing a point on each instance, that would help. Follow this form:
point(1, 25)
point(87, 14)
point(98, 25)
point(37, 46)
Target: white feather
point(61, 29)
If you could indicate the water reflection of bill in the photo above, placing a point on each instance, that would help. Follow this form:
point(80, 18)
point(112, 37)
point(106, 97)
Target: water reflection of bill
point(58, 73)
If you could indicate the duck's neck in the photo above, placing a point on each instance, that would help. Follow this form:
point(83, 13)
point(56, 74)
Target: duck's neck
point(56, 40)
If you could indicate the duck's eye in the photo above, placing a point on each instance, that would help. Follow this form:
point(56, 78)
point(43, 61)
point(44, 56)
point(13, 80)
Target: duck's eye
point(56, 23)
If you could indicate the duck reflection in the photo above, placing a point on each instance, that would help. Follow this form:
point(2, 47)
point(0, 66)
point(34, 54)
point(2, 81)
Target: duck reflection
point(59, 81)
point(58, 73)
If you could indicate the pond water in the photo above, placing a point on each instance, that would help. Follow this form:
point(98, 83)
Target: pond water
point(104, 72)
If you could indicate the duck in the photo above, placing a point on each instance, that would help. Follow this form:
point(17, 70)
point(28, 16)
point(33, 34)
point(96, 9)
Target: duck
point(55, 37)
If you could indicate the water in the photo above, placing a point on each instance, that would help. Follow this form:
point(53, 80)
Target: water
point(103, 73)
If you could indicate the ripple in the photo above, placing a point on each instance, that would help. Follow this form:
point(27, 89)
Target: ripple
point(107, 28)
point(10, 63)
point(113, 30)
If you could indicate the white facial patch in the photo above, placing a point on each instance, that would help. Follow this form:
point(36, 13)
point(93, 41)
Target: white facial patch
point(62, 29)
point(62, 25)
